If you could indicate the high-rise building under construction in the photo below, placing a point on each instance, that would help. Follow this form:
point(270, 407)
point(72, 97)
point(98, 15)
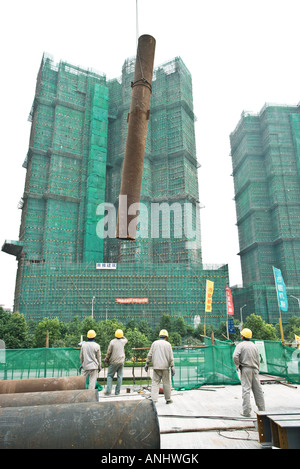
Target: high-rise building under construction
point(69, 261)
point(265, 150)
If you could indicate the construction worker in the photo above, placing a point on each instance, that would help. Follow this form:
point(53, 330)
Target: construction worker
point(115, 357)
point(90, 358)
point(246, 358)
point(161, 355)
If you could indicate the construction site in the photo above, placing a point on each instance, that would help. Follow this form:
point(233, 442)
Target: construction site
point(111, 225)
point(67, 251)
point(45, 403)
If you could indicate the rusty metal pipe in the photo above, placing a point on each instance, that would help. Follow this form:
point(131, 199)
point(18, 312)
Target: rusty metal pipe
point(42, 384)
point(118, 424)
point(138, 117)
point(21, 399)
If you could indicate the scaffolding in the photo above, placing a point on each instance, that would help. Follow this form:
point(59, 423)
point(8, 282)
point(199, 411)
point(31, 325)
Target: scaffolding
point(74, 161)
point(122, 291)
point(265, 159)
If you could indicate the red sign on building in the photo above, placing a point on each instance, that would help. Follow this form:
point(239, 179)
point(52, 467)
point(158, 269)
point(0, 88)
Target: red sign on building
point(131, 300)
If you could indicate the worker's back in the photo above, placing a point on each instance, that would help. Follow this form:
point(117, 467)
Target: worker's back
point(90, 355)
point(246, 354)
point(161, 355)
point(115, 351)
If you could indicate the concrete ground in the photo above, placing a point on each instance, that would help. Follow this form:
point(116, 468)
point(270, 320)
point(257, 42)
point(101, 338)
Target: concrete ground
point(209, 417)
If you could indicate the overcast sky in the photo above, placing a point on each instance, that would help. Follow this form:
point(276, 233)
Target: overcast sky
point(241, 54)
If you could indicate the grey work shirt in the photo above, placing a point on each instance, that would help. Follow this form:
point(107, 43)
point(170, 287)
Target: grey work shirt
point(161, 355)
point(115, 353)
point(246, 354)
point(90, 355)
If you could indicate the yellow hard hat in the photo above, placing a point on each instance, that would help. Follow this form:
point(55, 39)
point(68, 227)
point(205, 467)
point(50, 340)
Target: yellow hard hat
point(119, 333)
point(247, 333)
point(163, 333)
point(91, 334)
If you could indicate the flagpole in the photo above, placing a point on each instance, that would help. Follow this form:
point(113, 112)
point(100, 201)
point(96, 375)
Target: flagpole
point(280, 322)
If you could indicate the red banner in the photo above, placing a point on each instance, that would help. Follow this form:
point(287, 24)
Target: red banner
point(230, 308)
point(132, 300)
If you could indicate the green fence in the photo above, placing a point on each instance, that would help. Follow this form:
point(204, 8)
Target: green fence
point(212, 364)
point(195, 367)
point(279, 360)
point(39, 363)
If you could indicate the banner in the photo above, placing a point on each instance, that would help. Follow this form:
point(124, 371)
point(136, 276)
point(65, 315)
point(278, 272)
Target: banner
point(231, 328)
point(230, 308)
point(281, 290)
point(132, 300)
point(103, 265)
point(209, 294)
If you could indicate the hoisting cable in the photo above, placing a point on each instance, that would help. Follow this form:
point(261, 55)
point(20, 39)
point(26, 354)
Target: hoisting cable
point(142, 81)
point(137, 22)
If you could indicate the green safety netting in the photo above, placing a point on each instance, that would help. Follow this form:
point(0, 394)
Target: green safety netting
point(212, 364)
point(279, 360)
point(195, 367)
point(39, 363)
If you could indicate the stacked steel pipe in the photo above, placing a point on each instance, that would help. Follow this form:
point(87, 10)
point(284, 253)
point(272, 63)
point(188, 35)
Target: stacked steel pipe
point(71, 417)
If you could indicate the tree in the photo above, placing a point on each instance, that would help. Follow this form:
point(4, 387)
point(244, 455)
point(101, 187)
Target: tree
point(199, 331)
point(144, 328)
point(40, 333)
point(174, 339)
point(260, 330)
point(165, 322)
point(106, 332)
point(179, 326)
point(14, 330)
point(87, 324)
point(73, 333)
point(136, 339)
point(291, 328)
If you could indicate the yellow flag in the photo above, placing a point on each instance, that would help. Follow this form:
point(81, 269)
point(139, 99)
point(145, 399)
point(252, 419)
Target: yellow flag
point(297, 339)
point(209, 294)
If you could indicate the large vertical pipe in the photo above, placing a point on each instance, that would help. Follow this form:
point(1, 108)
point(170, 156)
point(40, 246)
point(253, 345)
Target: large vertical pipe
point(136, 139)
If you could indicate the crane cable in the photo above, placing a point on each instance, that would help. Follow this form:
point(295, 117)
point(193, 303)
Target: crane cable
point(137, 21)
point(142, 80)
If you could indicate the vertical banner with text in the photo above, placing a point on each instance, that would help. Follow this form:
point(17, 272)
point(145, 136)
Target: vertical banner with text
point(281, 297)
point(281, 290)
point(230, 308)
point(209, 294)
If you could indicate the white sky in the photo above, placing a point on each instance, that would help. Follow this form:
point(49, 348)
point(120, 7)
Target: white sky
point(241, 54)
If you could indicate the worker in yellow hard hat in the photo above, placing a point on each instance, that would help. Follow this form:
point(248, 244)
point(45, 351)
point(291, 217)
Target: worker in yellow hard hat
point(90, 358)
point(246, 333)
point(161, 356)
point(246, 358)
point(115, 357)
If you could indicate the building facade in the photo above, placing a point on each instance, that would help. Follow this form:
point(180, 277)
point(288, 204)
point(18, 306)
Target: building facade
point(266, 171)
point(69, 261)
